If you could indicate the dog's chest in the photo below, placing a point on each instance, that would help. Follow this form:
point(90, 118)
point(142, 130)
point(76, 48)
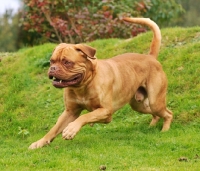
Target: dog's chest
point(82, 101)
point(88, 103)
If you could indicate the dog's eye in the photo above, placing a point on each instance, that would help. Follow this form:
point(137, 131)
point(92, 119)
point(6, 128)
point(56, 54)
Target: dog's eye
point(52, 61)
point(68, 63)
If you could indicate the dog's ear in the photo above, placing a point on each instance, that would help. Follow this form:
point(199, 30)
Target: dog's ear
point(87, 50)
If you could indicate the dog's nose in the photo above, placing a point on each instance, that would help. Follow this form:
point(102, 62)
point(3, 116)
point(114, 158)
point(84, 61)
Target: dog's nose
point(53, 68)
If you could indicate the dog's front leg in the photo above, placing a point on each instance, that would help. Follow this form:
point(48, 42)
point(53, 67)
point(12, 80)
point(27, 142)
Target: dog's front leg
point(65, 118)
point(100, 115)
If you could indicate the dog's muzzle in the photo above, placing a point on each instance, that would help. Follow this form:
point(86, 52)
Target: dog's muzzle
point(59, 82)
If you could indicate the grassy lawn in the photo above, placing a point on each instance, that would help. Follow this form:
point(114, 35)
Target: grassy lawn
point(30, 106)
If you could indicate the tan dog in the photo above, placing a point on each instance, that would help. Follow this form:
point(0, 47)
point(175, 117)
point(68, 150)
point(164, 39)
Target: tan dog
point(104, 86)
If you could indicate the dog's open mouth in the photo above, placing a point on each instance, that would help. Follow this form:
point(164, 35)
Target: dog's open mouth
point(74, 80)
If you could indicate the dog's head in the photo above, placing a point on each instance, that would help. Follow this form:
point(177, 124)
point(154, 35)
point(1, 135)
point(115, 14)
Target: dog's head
point(70, 64)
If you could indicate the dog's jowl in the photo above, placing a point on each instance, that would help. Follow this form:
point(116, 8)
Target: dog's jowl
point(98, 85)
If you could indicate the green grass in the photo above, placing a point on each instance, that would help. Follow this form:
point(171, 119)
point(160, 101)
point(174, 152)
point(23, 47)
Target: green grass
point(30, 106)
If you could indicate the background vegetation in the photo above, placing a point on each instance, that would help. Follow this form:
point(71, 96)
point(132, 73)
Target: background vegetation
point(191, 17)
point(30, 106)
point(81, 21)
point(41, 21)
point(75, 21)
point(9, 31)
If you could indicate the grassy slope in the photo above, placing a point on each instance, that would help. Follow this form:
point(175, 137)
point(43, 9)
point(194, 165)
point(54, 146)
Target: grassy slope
point(30, 102)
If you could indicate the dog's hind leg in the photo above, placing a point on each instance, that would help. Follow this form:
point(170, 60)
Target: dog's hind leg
point(166, 114)
point(154, 120)
point(157, 101)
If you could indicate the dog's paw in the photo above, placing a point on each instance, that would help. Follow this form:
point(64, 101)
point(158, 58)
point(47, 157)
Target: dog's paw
point(38, 144)
point(70, 131)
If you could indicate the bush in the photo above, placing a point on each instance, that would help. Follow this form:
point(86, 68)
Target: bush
point(82, 21)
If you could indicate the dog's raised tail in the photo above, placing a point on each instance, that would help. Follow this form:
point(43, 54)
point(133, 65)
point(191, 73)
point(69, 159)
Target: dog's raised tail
point(156, 41)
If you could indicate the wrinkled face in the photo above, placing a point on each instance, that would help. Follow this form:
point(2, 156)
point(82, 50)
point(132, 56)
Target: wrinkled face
point(68, 65)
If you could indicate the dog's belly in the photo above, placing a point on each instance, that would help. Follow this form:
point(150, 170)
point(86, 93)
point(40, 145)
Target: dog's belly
point(122, 98)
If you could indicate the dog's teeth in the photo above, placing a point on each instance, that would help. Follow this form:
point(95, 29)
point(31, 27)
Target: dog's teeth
point(60, 81)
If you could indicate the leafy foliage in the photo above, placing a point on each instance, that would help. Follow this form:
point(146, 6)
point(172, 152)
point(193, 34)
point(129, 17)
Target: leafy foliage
point(162, 11)
point(82, 21)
